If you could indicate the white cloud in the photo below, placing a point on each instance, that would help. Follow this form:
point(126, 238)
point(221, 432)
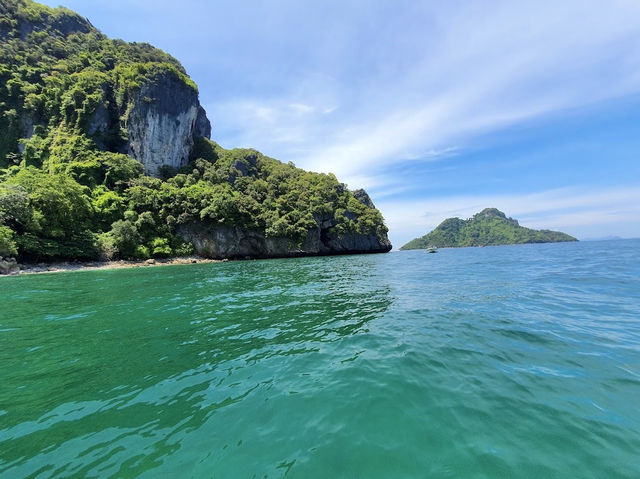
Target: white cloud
point(441, 74)
point(301, 108)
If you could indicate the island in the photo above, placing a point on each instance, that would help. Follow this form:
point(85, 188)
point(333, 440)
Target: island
point(489, 227)
point(105, 153)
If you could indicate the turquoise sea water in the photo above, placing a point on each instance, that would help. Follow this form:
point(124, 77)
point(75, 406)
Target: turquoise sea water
point(517, 361)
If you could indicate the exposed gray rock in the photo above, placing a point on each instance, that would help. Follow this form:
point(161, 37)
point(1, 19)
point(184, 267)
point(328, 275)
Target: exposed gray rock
point(203, 126)
point(71, 23)
point(241, 166)
point(162, 123)
point(363, 197)
point(25, 28)
point(99, 125)
point(63, 24)
point(489, 213)
point(357, 243)
point(9, 266)
point(27, 130)
point(350, 215)
point(221, 241)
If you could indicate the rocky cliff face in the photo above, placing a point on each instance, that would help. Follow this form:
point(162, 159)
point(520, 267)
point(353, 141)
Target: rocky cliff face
point(163, 121)
point(363, 197)
point(145, 92)
point(86, 100)
point(66, 24)
point(222, 241)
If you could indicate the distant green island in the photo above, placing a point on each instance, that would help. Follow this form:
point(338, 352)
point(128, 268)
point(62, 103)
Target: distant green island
point(489, 227)
point(105, 153)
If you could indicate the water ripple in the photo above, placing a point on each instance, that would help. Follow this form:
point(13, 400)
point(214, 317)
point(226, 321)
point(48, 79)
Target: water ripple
point(495, 362)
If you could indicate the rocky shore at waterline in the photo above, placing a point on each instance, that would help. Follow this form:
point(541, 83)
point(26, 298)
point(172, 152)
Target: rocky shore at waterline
point(60, 267)
point(9, 266)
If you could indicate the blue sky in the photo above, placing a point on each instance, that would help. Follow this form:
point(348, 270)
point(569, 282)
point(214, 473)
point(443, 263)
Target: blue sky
point(437, 108)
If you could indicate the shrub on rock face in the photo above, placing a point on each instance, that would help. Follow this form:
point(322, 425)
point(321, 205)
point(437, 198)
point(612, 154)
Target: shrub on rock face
point(125, 238)
point(119, 170)
point(183, 249)
point(141, 252)
point(7, 245)
point(107, 247)
point(108, 207)
point(160, 248)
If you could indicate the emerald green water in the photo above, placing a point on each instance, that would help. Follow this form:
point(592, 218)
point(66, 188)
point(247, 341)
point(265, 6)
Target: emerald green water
point(518, 361)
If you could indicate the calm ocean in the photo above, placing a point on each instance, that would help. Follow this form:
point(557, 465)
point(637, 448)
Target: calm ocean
point(514, 361)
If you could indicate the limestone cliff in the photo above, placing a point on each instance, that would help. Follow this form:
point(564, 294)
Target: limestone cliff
point(164, 117)
point(77, 125)
point(126, 97)
point(227, 241)
point(222, 241)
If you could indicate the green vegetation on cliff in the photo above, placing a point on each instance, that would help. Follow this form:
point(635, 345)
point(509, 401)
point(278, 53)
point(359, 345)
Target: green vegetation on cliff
point(68, 190)
point(54, 69)
point(489, 227)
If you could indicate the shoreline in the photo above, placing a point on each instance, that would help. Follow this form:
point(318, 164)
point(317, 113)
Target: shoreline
point(65, 266)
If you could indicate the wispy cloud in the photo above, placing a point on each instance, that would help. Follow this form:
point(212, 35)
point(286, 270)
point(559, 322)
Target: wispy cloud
point(468, 69)
point(424, 81)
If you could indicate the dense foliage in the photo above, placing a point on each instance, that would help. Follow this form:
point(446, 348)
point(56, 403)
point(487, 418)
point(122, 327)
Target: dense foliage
point(56, 70)
point(489, 227)
point(67, 191)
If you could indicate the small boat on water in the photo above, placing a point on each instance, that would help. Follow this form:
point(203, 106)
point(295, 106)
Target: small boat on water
point(432, 249)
